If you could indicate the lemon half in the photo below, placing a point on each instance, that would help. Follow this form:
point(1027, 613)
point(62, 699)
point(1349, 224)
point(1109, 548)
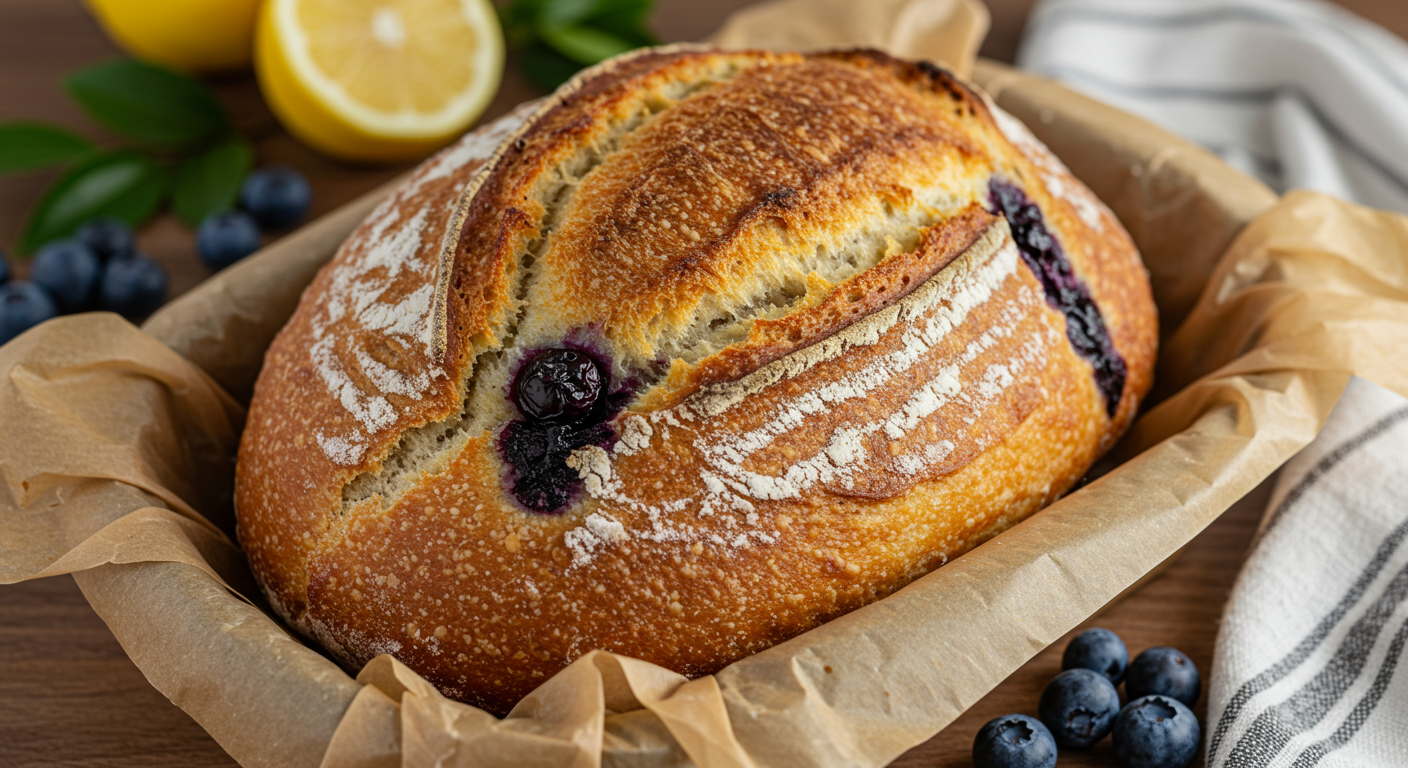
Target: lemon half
point(378, 80)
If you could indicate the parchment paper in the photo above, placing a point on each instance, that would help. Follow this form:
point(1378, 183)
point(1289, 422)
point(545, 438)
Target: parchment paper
point(116, 451)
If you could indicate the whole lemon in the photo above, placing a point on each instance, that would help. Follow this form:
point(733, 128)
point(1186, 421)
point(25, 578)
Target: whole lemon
point(191, 35)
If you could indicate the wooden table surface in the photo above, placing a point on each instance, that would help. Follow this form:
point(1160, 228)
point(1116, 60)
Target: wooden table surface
point(69, 696)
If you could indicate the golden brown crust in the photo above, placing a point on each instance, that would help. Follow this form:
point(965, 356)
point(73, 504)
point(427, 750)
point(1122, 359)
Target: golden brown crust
point(863, 295)
point(847, 374)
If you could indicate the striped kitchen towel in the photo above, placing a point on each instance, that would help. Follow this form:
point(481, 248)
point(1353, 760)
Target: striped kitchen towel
point(1301, 94)
point(1309, 668)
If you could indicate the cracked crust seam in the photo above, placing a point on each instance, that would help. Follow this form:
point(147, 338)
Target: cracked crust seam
point(557, 200)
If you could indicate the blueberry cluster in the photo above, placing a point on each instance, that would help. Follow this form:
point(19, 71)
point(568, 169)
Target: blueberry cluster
point(98, 268)
point(1080, 706)
point(271, 198)
point(1085, 328)
point(562, 396)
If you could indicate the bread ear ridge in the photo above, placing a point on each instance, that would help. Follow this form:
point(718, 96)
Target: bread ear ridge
point(452, 240)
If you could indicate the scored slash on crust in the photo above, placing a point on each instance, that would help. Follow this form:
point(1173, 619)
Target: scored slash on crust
point(454, 230)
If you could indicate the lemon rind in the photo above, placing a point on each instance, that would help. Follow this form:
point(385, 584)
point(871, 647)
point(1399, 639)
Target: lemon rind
point(413, 125)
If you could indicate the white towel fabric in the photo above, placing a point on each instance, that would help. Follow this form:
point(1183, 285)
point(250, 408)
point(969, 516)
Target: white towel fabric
point(1309, 668)
point(1298, 93)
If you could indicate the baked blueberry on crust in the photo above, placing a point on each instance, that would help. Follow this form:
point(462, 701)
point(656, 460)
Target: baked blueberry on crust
point(559, 385)
point(561, 394)
point(1043, 255)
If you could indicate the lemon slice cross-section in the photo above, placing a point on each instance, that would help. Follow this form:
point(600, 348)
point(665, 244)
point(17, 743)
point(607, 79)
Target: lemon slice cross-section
point(378, 80)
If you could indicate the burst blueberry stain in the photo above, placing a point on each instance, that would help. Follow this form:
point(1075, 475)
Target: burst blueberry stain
point(562, 397)
point(538, 452)
point(1042, 253)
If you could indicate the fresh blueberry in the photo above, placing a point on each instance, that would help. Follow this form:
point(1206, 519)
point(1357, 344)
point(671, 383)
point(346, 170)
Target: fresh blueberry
point(1014, 741)
point(1156, 732)
point(225, 237)
point(558, 385)
point(133, 286)
point(4, 269)
point(108, 237)
point(69, 271)
point(1163, 672)
point(276, 196)
point(23, 305)
point(1100, 650)
point(1079, 706)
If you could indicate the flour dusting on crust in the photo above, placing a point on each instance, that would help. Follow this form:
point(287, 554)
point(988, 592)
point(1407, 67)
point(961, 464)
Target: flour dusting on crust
point(729, 486)
point(1054, 173)
point(366, 295)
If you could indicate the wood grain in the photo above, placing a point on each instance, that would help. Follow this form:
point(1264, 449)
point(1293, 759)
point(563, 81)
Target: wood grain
point(69, 696)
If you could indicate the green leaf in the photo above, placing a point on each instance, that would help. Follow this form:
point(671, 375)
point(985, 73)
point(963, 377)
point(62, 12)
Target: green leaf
point(559, 14)
point(520, 21)
point(545, 67)
point(25, 146)
point(148, 103)
point(620, 17)
point(210, 181)
point(553, 39)
point(585, 45)
point(127, 185)
point(629, 23)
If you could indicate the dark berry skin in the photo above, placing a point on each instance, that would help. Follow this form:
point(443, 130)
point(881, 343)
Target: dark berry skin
point(1085, 327)
point(277, 196)
point(69, 271)
point(1079, 707)
point(108, 237)
point(561, 394)
point(1014, 741)
point(4, 269)
point(225, 237)
point(133, 286)
point(23, 305)
point(558, 385)
point(1100, 650)
point(1164, 671)
point(1156, 732)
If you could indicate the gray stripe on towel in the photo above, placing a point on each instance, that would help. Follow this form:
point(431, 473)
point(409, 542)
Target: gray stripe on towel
point(1302, 651)
point(1278, 724)
point(1360, 714)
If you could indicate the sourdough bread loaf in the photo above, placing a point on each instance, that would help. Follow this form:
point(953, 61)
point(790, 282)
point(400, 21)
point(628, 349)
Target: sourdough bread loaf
point(702, 351)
